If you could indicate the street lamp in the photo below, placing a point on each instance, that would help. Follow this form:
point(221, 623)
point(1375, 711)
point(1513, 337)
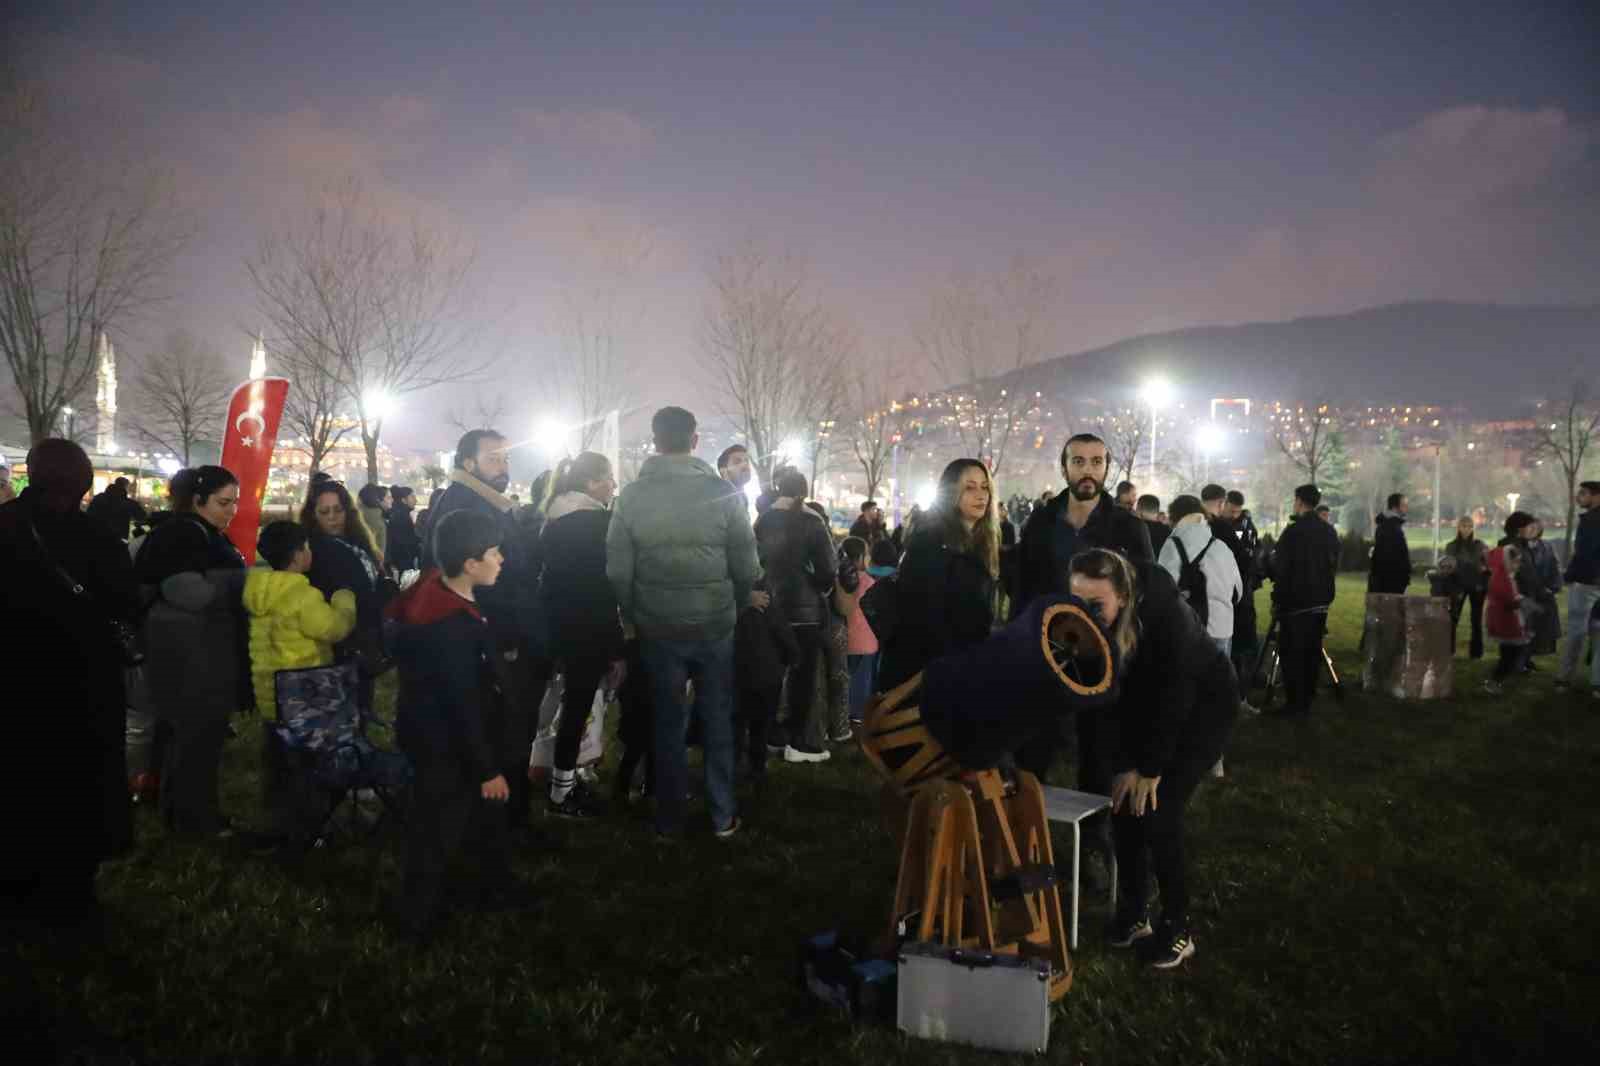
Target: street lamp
point(550, 437)
point(1157, 392)
point(377, 404)
point(1208, 440)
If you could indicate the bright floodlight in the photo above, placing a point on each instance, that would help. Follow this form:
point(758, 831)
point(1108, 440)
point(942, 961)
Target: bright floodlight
point(550, 435)
point(792, 448)
point(1157, 392)
point(377, 404)
point(927, 495)
point(169, 465)
point(1209, 439)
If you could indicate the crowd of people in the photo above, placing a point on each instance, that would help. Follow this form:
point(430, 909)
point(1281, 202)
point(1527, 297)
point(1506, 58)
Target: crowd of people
point(751, 635)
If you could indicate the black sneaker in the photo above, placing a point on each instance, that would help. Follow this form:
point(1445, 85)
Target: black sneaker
point(575, 805)
point(1168, 951)
point(1124, 934)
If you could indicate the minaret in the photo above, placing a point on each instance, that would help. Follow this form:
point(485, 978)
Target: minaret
point(258, 359)
point(105, 398)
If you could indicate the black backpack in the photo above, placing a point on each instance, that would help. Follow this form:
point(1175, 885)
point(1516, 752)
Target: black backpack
point(1192, 579)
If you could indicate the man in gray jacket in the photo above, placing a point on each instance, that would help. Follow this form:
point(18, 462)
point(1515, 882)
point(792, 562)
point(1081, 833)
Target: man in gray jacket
point(681, 556)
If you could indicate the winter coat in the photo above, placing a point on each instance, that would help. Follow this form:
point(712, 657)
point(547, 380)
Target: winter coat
point(63, 769)
point(1304, 563)
point(579, 604)
point(944, 605)
point(1224, 587)
point(1179, 697)
point(1158, 535)
point(291, 628)
point(113, 508)
point(1584, 567)
point(337, 564)
point(1545, 565)
point(862, 640)
point(195, 632)
point(680, 553)
point(378, 526)
point(1471, 558)
point(510, 605)
point(764, 647)
point(1391, 555)
point(404, 544)
point(796, 552)
point(1109, 526)
point(450, 705)
point(1546, 623)
point(1502, 617)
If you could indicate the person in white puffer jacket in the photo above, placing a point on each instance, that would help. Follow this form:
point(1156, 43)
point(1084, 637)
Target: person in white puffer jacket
point(1224, 587)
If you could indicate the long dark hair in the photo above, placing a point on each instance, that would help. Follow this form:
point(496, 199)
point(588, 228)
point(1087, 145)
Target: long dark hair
point(574, 475)
point(355, 527)
point(982, 542)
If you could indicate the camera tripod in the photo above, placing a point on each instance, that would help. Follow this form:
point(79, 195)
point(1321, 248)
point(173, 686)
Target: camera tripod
point(1269, 666)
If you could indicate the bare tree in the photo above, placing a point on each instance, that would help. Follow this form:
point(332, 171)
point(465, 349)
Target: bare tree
point(1313, 441)
point(595, 321)
point(1564, 433)
point(487, 411)
point(873, 423)
point(1124, 433)
point(84, 246)
point(180, 396)
point(372, 309)
point(981, 336)
point(774, 352)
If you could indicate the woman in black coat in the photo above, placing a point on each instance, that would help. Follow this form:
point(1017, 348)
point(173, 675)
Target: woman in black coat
point(945, 594)
point(343, 556)
point(404, 544)
point(1169, 726)
point(797, 554)
point(198, 665)
point(580, 608)
point(63, 779)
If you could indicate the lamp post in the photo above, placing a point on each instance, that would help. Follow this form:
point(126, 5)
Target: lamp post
point(1157, 392)
point(1207, 441)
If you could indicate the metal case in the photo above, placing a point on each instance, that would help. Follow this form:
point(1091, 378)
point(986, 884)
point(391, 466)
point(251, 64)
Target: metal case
point(1000, 1002)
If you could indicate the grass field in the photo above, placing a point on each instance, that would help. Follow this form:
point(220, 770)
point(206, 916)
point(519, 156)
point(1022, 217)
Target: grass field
point(1383, 882)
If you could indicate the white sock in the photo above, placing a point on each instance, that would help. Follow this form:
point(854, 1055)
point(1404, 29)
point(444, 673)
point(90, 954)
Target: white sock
point(561, 782)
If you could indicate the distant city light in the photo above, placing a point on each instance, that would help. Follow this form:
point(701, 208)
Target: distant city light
point(168, 466)
point(1209, 439)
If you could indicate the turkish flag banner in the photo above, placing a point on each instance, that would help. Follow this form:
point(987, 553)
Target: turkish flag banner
point(247, 439)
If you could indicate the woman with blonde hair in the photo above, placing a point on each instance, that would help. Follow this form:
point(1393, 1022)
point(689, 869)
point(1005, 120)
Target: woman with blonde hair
point(947, 575)
point(1168, 728)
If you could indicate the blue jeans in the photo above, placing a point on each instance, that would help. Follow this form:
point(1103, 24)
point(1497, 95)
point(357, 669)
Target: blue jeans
point(669, 664)
point(1580, 605)
point(863, 679)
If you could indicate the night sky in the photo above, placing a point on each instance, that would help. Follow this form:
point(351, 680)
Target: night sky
point(1174, 164)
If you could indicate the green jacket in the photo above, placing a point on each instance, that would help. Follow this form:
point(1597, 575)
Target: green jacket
point(680, 552)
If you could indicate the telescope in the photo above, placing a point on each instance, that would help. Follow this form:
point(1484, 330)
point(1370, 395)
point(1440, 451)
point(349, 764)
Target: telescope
point(977, 871)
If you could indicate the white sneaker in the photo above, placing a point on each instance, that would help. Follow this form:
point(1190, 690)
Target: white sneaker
point(794, 754)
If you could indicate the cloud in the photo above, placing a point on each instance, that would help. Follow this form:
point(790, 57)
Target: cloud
point(605, 130)
point(404, 111)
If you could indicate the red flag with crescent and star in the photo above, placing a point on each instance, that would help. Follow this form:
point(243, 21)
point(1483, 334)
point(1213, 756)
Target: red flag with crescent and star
point(248, 437)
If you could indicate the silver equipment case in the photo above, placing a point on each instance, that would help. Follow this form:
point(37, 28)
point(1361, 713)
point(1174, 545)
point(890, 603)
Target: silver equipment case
point(1000, 1002)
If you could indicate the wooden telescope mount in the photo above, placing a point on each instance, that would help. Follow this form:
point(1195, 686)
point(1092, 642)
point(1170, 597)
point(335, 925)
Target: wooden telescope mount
point(977, 870)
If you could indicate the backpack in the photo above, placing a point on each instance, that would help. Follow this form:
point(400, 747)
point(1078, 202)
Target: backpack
point(1192, 580)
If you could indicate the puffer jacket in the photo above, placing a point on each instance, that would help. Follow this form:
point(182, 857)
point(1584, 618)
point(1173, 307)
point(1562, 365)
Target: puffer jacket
point(1224, 587)
point(680, 553)
point(797, 556)
point(291, 627)
point(580, 606)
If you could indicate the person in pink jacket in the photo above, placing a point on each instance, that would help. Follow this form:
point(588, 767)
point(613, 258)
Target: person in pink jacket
point(862, 651)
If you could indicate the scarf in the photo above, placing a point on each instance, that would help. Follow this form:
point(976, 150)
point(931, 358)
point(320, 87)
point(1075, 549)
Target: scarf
point(488, 492)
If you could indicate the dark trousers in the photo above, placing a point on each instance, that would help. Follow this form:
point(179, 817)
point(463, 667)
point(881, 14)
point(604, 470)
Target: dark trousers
point(806, 718)
point(190, 768)
point(522, 686)
point(583, 675)
point(1154, 842)
point(1459, 600)
point(1300, 655)
point(1513, 657)
point(448, 811)
point(757, 706)
point(635, 727)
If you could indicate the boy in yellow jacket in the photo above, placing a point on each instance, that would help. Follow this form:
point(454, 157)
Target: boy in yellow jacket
point(291, 627)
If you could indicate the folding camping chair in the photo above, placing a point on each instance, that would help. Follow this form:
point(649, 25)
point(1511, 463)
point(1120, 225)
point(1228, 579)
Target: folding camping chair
point(334, 764)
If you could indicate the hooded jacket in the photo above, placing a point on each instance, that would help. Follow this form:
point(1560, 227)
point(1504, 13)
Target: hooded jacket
point(579, 603)
point(797, 556)
point(680, 553)
point(1502, 617)
point(1109, 526)
point(1224, 586)
point(1391, 555)
point(291, 628)
point(449, 707)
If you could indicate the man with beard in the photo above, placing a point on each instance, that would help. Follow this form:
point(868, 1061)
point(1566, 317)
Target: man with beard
point(510, 606)
point(1083, 517)
point(869, 524)
point(733, 466)
point(1127, 495)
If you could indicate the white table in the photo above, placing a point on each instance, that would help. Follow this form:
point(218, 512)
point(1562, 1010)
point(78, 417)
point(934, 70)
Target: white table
point(1065, 805)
